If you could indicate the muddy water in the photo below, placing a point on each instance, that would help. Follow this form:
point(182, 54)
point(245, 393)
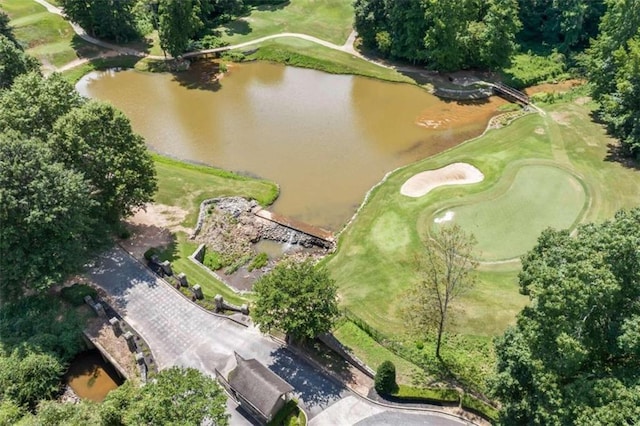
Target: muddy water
point(325, 139)
point(91, 377)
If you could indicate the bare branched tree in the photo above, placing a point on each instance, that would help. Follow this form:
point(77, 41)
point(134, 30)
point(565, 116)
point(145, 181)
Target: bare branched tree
point(446, 270)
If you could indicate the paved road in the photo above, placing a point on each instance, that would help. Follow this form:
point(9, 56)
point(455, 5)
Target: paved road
point(180, 333)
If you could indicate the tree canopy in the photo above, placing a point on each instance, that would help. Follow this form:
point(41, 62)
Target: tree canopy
point(175, 396)
point(13, 62)
point(109, 19)
point(33, 104)
point(573, 356)
point(46, 217)
point(447, 35)
point(97, 140)
point(564, 24)
point(297, 298)
point(71, 169)
point(613, 64)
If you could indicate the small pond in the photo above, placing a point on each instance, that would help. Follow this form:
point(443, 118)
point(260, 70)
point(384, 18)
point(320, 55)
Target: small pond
point(91, 377)
point(325, 139)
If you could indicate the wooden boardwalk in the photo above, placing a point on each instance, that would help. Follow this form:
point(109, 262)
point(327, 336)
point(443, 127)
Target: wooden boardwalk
point(296, 225)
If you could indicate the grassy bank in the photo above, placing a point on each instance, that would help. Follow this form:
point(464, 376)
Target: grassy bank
point(305, 54)
point(186, 185)
point(329, 20)
point(373, 265)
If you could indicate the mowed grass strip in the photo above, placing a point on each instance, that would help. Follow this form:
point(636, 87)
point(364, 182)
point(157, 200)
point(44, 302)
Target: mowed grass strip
point(507, 225)
point(329, 20)
point(44, 35)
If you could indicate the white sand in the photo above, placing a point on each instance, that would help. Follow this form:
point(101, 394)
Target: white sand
point(447, 217)
point(453, 174)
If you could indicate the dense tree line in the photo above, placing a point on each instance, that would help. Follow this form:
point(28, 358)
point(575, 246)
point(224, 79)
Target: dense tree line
point(444, 34)
point(563, 25)
point(613, 64)
point(574, 355)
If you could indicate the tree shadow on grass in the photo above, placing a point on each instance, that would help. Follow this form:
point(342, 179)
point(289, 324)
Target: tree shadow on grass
point(239, 26)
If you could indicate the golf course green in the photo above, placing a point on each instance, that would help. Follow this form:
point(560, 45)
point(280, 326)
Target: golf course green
point(508, 218)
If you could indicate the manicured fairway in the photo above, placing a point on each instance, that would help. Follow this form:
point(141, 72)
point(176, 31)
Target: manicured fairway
point(507, 223)
point(44, 35)
point(330, 20)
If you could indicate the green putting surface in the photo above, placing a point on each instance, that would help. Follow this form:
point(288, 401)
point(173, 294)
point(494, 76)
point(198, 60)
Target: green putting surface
point(507, 223)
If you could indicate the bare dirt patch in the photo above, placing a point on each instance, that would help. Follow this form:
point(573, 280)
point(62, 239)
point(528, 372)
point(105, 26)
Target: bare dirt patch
point(583, 100)
point(561, 117)
point(153, 226)
point(453, 174)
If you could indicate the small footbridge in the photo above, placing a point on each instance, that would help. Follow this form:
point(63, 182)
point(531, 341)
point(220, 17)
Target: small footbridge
point(510, 93)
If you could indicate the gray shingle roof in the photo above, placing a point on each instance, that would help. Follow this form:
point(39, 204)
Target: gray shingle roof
point(257, 384)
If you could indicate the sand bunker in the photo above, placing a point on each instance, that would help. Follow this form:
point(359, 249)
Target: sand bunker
point(453, 174)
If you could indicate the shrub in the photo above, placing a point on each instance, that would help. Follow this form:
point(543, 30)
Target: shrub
point(213, 260)
point(151, 252)
point(385, 380)
point(258, 262)
point(77, 292)
point(234, 56)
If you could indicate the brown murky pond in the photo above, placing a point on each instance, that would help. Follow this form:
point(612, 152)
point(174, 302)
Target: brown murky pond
point(325, 139)
point(91, 377)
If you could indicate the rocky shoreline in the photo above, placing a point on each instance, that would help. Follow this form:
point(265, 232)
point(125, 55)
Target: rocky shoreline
point(232, 220)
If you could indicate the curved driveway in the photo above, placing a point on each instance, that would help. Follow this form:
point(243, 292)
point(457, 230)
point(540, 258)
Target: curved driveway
point(181, 333)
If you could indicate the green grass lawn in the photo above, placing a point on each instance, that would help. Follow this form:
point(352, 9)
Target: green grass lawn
point(329, 20)
point(44, 35)
point(507, 223)
point(186, 186)
point(372, 353)
point(374, 265)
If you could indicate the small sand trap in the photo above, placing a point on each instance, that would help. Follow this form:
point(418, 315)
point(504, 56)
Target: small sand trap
point(447, 217)
point(453, 174)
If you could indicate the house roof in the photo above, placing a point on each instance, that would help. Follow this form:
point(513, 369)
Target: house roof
point(257, 384)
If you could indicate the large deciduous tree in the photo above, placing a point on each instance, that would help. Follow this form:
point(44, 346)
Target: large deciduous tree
point(574, 355)
point(97, 140)
point(33, 104)
point(14, 62)
point(110, 19)
point(297, 298)
point(45, 217)
point(175, 396)
point(563, 24)
point(446, 271)
point(179, 22)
